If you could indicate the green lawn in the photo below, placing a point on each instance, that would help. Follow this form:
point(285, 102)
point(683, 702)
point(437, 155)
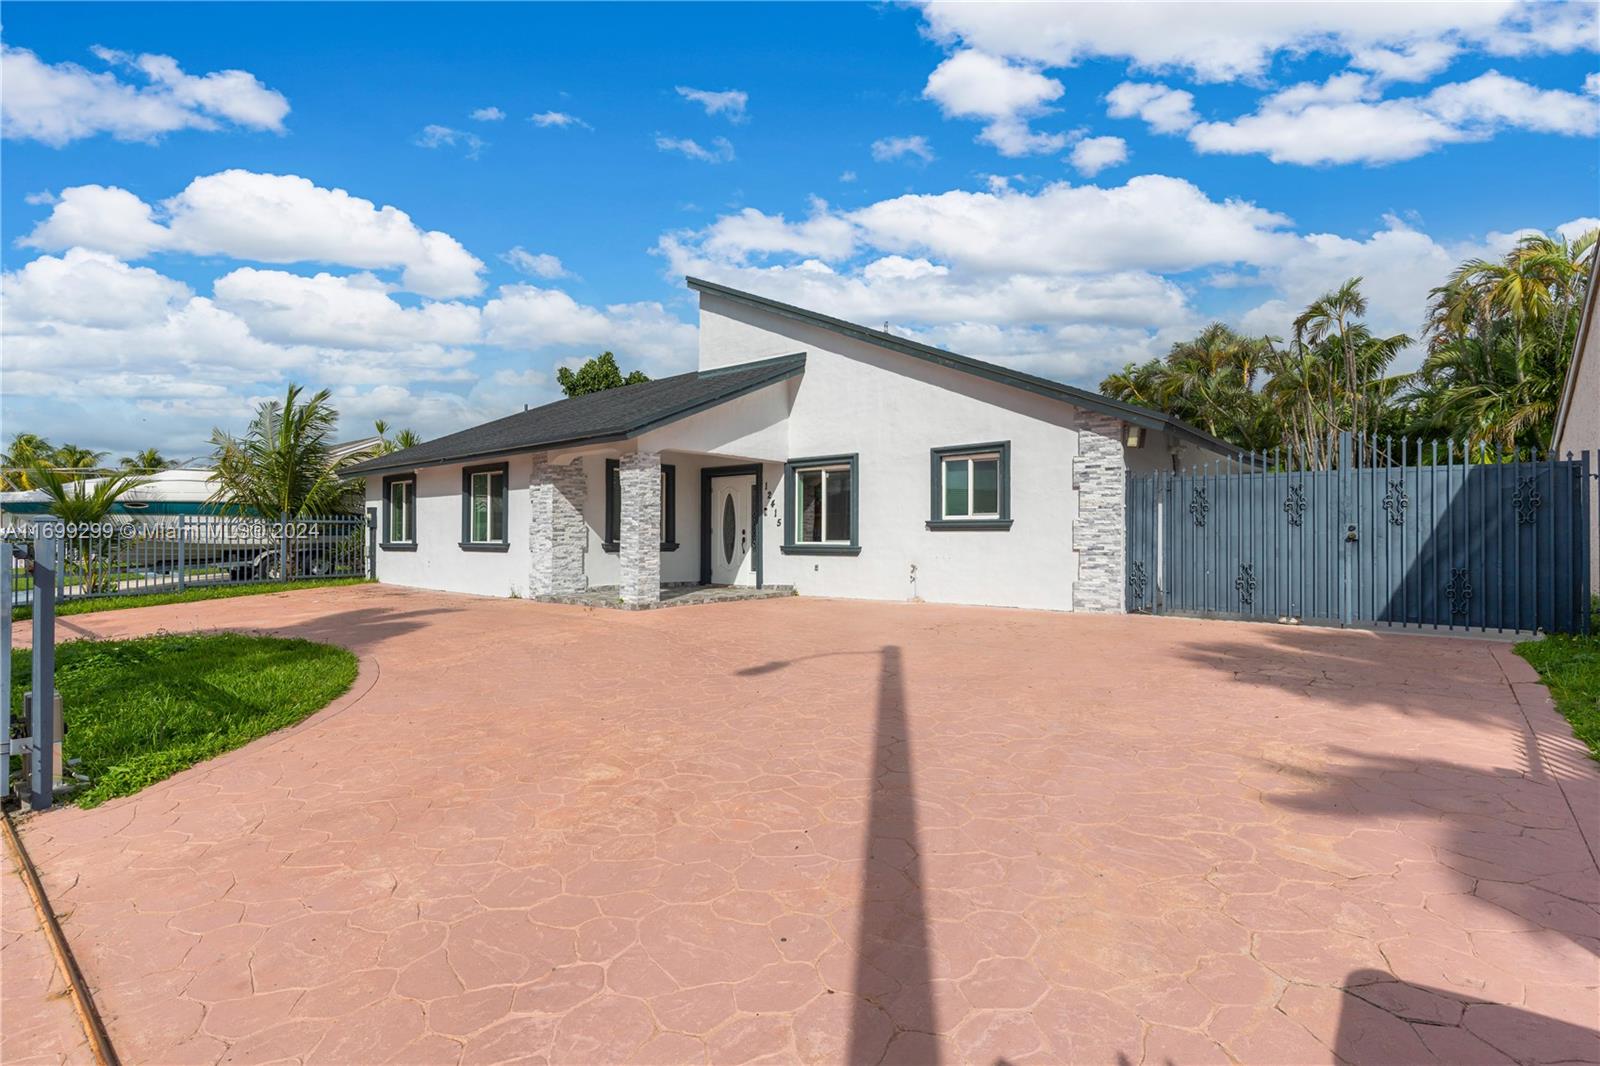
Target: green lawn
point(138, 711)
point(1570, 668)
point(205, 592)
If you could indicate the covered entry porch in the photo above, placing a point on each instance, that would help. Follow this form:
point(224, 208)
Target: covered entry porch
point(637, 528)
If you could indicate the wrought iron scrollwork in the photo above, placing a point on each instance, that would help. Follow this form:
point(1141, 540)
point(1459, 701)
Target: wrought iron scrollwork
point(1294, 504)
point(1199, 506)
point(1459, 589)
point(1395, 501)
point(1527, 500)
point(1137, 580)
point(1245, 584)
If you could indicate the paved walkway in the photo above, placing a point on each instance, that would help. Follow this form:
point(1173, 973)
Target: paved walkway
point(825, 831)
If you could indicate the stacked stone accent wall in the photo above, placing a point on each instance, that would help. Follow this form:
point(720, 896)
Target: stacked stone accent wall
point(1099, 475)
point(640, 547)
point(557, 534)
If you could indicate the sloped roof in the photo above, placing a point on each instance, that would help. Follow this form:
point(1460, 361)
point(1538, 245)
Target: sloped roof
point(1091, 401)
point(615, 414)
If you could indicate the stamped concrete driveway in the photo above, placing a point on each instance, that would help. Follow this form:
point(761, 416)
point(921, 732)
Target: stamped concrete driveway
point(820, 831)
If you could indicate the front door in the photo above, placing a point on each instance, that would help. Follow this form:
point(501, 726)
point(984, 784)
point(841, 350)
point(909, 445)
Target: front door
point(731, 535)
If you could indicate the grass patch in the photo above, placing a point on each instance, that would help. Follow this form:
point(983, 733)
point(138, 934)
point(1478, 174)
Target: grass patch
point(1569, 666)
point(205, 592)
point(138, 711)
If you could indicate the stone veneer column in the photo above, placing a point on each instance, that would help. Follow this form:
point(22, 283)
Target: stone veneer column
point(1099, 475)
point(557, 535)
point(640, 536)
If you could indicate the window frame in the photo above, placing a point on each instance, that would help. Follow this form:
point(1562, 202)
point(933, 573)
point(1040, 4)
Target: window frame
point(388, 543)
point(467, 474)
point(938, 457)
point(613, 515)
point(791, 484)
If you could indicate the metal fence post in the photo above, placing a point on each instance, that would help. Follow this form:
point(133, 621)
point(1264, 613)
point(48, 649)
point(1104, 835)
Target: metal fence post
point(1346, 560)
point(372, 543)
point(6, 580)
point(41, 727)
point(283, 545)
point(182, 567)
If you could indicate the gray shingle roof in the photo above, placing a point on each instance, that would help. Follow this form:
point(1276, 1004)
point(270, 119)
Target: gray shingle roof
point(615, 414)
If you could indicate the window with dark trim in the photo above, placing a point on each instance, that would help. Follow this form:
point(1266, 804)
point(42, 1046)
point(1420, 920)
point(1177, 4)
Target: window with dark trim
point(970, 486)
point(483, 508)
point(821, 506)
point(669, 507)
point(399, 513)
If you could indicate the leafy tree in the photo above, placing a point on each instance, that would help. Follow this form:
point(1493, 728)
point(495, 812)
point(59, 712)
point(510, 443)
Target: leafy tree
point(147, 461)
point(597, 375)
point(284, 464)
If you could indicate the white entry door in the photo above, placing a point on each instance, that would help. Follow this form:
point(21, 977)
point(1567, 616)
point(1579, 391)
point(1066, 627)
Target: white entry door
point(731, 532)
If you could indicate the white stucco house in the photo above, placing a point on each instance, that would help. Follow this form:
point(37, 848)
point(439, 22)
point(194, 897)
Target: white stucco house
point(805, 451)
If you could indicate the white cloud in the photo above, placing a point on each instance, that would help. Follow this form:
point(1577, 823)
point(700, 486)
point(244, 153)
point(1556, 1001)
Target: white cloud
point(976, 85)
point(1578, 227)
point(445, 137)
point(1344, 120)
point(526, 316)
point(885, 149)
point(540, 265)
point(91, 289)
point(488, 114)
point(558, 120)
point(61, 103)
point(268, 218)
point(721, 151)
point(339, 312)
point(750, 233)
point(1228, 41)
point(729, 102)
point(1164, 109)
point(1093, 154)
point(847, 177)
point(42, 197)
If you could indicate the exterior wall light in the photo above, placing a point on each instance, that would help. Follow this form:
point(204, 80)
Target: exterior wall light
point(1132, 435)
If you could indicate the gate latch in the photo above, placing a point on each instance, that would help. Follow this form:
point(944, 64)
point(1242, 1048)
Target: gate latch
point(1350, 534)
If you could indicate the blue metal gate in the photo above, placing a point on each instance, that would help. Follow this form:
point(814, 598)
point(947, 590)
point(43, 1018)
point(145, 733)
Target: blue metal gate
point(1395, 533)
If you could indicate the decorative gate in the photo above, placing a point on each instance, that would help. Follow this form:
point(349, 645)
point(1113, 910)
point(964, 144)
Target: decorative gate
point(1395, 533)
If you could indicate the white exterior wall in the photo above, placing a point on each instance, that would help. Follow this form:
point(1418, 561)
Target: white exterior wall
point(439, 562)
point(683, 565)
point(892, 409)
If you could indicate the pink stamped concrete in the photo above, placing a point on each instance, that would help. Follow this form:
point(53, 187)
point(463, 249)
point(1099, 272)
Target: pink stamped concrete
point(819, 831)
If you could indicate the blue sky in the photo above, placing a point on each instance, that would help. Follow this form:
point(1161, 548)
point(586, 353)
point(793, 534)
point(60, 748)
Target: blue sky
point(1061, 188)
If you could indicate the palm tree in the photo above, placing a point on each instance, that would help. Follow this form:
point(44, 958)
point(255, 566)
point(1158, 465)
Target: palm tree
point(1499, 337)
point(283, 464)
point(83, 504)
point(405, 438)
point(77, 462)
point(146, 461)
point(27, 451)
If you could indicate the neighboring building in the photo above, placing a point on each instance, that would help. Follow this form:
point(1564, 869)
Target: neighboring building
point(163, 494)
point(805, 451)
point(1577, 427)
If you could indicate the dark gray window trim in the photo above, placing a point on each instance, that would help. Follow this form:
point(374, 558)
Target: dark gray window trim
point(504, 543)
point(789, 547)
point(936, 458)
point(613, 516)
point(757, 516)
point(387, 544)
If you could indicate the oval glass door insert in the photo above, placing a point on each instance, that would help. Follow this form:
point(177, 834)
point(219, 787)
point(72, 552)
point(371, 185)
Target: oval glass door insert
point(728, 521)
